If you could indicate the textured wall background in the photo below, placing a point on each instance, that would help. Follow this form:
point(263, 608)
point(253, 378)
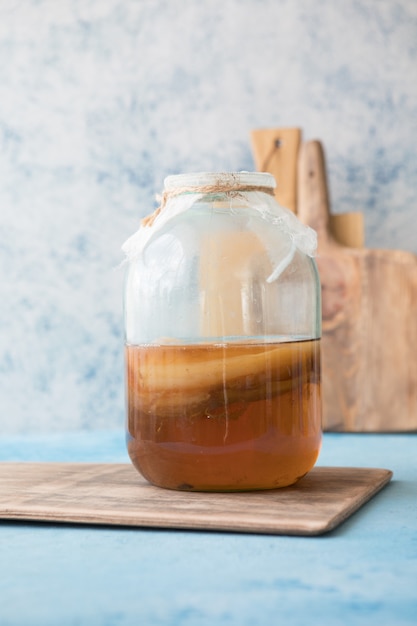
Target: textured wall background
point(101, 99)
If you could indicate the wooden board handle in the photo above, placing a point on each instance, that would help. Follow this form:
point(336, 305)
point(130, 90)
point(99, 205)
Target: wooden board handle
point(313, 199)
point(275, 151)
point(346, 229)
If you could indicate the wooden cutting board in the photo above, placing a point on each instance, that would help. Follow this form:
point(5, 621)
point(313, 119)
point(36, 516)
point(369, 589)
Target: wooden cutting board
point(369, 300)
point(115, 494)
point(276, 150)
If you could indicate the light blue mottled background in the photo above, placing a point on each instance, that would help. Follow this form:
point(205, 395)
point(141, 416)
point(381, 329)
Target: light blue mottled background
point(101, 99)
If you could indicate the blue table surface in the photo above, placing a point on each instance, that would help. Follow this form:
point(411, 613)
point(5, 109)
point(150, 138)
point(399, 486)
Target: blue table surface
point(364, 572)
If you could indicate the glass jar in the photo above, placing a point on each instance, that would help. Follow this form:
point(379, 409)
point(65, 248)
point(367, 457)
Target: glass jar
point(222, 325)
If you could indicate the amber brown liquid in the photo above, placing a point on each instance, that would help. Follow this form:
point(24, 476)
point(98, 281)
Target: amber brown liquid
point(224, 417)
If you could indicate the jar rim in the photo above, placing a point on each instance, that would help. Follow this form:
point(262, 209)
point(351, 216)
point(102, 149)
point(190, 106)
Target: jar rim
point(221, 179)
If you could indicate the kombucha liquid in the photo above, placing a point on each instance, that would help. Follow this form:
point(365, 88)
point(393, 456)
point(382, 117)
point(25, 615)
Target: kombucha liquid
point(224, 417)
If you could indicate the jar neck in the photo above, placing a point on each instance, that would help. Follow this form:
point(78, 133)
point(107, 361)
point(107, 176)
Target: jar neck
point(222, 186)
point(214, 186)
point(209, 183)
point(222, 189)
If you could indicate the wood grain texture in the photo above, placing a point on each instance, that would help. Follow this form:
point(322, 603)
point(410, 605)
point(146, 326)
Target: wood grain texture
point(275, 151)
point(115, 494)
point(369, 299)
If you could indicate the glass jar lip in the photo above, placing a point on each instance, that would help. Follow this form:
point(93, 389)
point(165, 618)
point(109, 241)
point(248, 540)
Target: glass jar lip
point(221, 179)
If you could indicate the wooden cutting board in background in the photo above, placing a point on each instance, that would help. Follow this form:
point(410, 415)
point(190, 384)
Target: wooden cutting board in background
point(276, 150)
point(115, 494)
point(369, 299)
